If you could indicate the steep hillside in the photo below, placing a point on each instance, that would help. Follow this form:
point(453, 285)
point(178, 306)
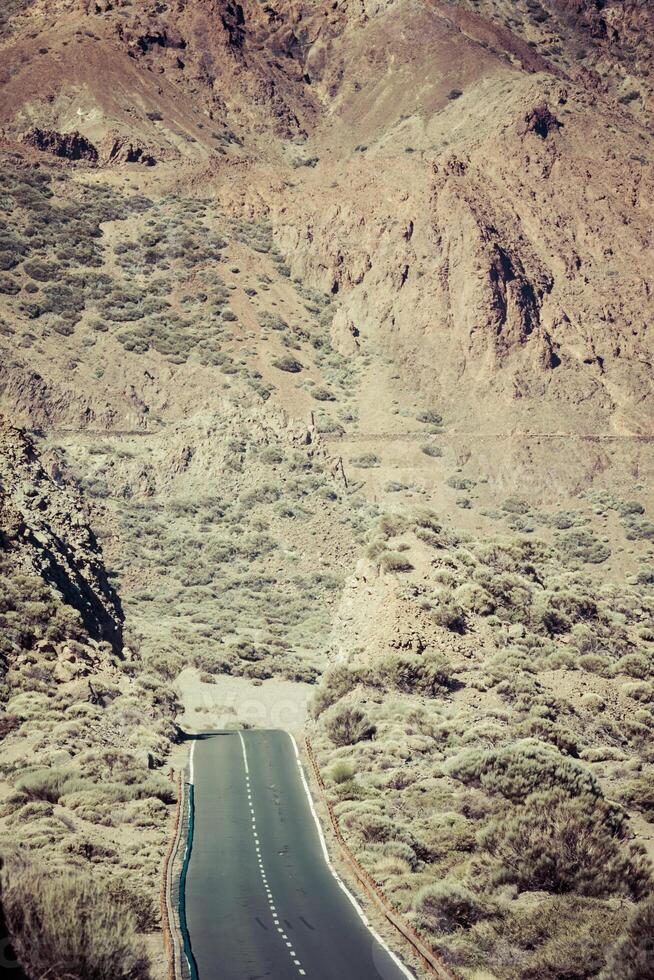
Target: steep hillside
point(81, 726)
point(45, 531)
point(485, 731)
point(332, 322)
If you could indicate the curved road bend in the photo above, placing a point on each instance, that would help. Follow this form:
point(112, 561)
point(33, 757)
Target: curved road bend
point(261, 900)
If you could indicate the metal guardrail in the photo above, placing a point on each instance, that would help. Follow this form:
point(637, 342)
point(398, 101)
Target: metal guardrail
point(168, 917)
point(178, 965)
point(406, 931)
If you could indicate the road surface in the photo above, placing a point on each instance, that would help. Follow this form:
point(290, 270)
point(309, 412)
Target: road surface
point(261, 899)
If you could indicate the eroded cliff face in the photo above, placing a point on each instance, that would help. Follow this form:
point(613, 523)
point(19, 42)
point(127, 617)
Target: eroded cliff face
point(474, 204)
point(517, 263)
point(45, 531)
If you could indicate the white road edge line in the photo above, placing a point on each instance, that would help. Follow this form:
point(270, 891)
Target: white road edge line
point(191, 775)
point(349, 894)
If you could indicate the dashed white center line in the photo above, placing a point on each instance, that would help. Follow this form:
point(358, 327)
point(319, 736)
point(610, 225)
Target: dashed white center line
point(264, 879)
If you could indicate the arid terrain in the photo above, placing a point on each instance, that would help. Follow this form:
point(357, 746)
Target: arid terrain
point(326, 399)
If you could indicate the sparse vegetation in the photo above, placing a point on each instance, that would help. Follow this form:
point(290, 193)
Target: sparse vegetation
point(483, 674)
point(509, 800)
point(287, 363)
point(366, 461)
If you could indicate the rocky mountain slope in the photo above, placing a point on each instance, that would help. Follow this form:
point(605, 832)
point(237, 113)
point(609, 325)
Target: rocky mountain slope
point(331, 321)
point(80, 726)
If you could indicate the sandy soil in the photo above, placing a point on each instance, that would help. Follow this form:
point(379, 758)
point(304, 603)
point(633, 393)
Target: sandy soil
point(237, 702)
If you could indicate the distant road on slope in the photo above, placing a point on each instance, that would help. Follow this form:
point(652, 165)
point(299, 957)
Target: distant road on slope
point(261, 900)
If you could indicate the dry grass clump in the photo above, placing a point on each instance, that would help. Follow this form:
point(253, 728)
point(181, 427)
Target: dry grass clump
point(64, 926)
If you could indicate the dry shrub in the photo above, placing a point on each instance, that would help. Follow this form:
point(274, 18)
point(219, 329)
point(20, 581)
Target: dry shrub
point(448, 905)
point(422, 673)
point(640, 793)
point(517, 770)
point(348, 725)
point(64, 926)
point(549, 938)
point(392, 561)
point(561, 844)
point(632, 957)
point(449, 614)
point(335, 684)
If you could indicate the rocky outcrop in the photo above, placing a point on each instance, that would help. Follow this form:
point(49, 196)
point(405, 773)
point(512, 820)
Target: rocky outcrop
point(70, 146)
point(344, 334)
point(44, 525)
point(120, 149)
point(538, 120)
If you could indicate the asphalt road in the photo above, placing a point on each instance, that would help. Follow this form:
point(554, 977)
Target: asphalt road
point(261, 900)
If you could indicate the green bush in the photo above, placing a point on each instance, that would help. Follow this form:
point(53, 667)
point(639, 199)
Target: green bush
point(49, 784)
point(638, 528)
point(583, 546)
point(394, 849)
point(342, 772)
point(517, 770)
